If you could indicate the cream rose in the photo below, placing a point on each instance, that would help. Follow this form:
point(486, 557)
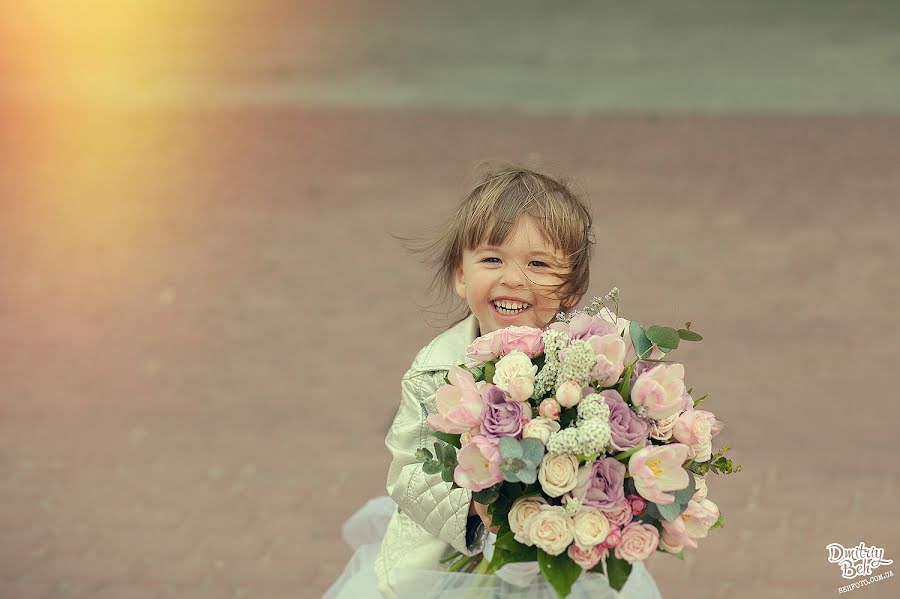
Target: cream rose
point(591, 528)
point(512, 366)
point(521, 388)
point(551, 529)
point(558, 473)
point(520, 513)
point(540, 428)
point(639, 541)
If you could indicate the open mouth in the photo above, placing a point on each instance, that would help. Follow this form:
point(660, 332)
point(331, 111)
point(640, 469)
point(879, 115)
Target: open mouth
point(509, 308)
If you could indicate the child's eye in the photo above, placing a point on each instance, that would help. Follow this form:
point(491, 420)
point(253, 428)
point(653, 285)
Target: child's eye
point(538, 262)
point(486, 259)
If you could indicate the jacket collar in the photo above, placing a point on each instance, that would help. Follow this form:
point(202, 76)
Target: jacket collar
point(449, 348)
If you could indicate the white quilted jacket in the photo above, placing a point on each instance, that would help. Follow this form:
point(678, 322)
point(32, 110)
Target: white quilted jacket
point(430, 515)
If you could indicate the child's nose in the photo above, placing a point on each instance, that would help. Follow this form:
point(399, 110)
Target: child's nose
point(513, 276)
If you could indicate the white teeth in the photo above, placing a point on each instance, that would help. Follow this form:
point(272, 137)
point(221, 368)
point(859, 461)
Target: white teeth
point(510, 305)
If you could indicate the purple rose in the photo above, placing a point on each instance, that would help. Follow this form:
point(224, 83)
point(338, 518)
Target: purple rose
point(601, 484)
point(584, 327)
point(502, 416)
point(627, 428)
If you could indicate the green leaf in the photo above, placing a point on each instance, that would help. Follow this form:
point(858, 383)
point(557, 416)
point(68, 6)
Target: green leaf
point(679, 555)
point(697, 401)
point(688, 335)
point(448, 438)
point(720, 523)
point(423, 455)
point(663, 337)
point(489, 369)
point(625, 387)
point(567, 417)
point(559, 570)
point(617, 572)
point(532, 450)
point(487, 496)
point(432, 467)
point(447, 474)
point(639, 339)
point(510, 448)
point(623, 457)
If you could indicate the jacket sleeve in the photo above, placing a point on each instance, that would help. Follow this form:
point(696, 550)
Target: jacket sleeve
point(429, 501)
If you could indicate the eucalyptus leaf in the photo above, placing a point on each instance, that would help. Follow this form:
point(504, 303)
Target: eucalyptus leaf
point(639, 339)
point(689, 335)
point(422, 454)
point(447, 475)
point(527, 475)
point(663, 336)
point(532, 450)
point(559, 570)
point(432, 467)
point(510, 448)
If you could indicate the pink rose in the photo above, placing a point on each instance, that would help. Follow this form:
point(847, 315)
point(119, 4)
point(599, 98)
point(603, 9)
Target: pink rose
point(639, 541)
point(478, 464)
point(620, 514)
point(483, 349)
point(638, 504)
point(527, 340)
point(549, 409)
point(613, 538)
point(588, 558)
point(459, 404)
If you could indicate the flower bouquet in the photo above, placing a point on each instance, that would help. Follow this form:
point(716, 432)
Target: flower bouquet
point(583, 441)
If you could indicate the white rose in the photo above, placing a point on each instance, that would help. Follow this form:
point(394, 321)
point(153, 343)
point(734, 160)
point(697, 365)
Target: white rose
point(551, 529)
point(511, 366)
point(591, 528)
point(569, 394)
point(558, 473)
point(520, 513)
point(540, 428)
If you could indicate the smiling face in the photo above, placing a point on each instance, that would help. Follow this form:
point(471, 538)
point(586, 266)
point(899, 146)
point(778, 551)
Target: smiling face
point(493, 277)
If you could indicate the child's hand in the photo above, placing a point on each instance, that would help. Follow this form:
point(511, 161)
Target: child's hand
point(482, 511)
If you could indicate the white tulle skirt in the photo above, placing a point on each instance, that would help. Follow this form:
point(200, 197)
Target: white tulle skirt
point(364, 530)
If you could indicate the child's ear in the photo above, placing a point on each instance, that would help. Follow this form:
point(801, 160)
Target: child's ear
point(460, 282)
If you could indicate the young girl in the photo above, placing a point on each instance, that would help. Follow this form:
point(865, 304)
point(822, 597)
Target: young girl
point(517, 251)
